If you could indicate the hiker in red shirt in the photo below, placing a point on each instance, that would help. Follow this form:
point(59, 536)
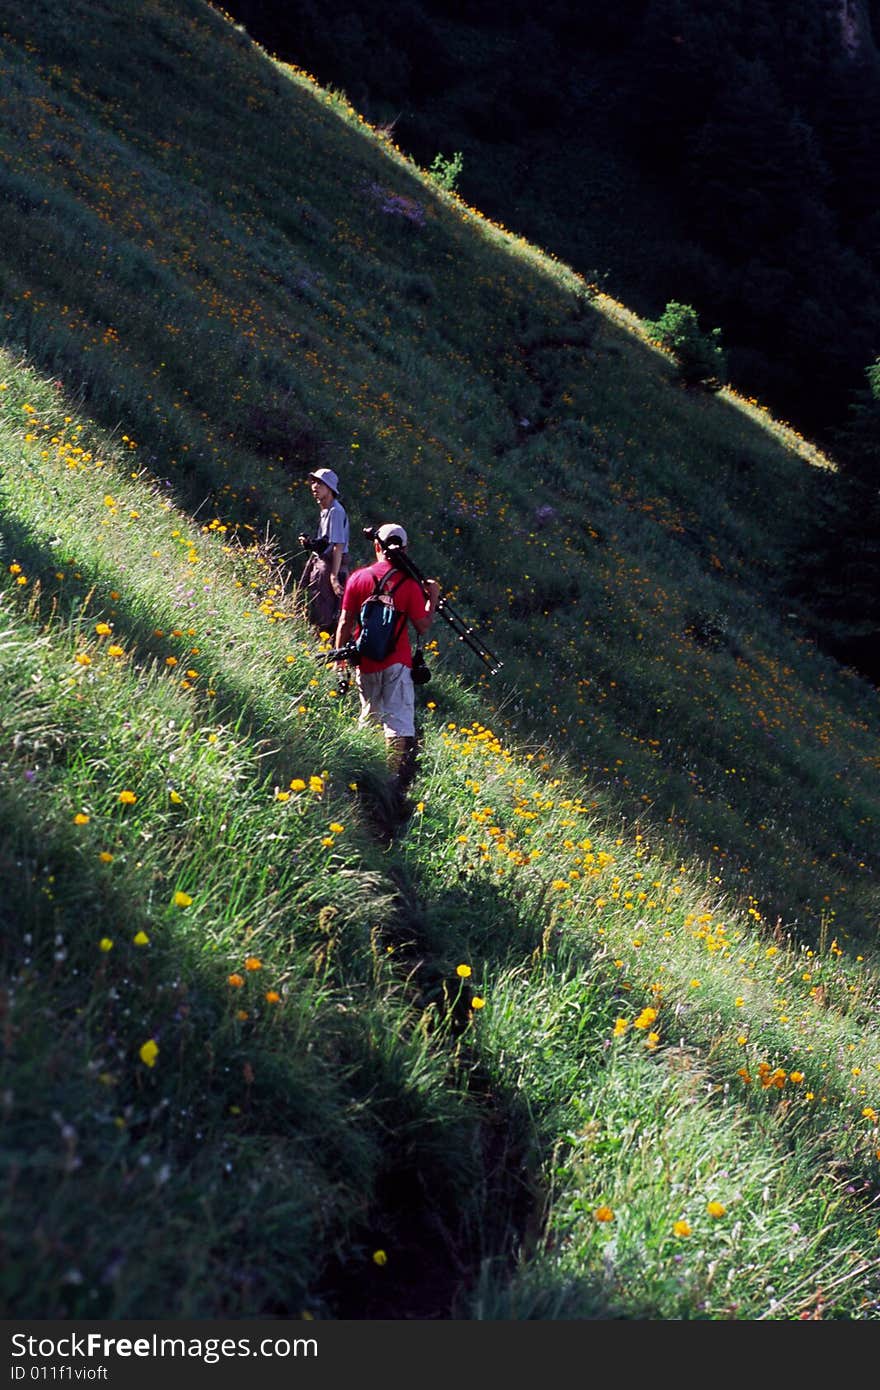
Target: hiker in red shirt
point(385, 688)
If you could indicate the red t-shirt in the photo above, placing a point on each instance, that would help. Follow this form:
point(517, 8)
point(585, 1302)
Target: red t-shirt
point(408, 598)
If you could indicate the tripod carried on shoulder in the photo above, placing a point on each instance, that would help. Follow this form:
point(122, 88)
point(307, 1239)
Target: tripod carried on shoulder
point(465, 632)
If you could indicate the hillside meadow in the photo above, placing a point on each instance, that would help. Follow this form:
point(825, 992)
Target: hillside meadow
point(589, 1034)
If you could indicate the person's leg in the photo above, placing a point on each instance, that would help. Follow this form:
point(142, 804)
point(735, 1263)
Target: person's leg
point(369, 689)
point(324, 605)
point(401, 760)
point(398, 702)
point(398, 722)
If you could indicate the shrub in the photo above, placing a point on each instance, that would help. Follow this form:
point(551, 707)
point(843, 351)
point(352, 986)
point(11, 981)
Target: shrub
point(445, 172)
point(700, 357)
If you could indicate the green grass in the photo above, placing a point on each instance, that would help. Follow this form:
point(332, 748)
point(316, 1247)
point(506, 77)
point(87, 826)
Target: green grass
point(274, 1060)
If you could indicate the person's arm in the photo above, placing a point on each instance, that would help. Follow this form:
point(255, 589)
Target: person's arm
point(344, 629)
point(314, 544)
point(334, 559)
point(336, 529)
point(423, 621)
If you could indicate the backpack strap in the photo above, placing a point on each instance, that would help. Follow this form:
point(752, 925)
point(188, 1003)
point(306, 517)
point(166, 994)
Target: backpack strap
point(400, 623)
point(379, 584)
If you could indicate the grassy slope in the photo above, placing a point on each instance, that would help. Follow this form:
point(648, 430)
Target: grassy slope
point(217, 291)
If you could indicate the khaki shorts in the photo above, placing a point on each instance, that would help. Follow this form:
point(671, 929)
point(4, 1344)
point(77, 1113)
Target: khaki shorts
point(388, 698)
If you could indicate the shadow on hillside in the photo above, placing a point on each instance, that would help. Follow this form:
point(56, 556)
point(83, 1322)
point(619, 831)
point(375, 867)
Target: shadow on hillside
point(431, 925)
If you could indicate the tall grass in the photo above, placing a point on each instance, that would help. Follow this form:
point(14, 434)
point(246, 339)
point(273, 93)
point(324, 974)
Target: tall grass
point(590, 1034)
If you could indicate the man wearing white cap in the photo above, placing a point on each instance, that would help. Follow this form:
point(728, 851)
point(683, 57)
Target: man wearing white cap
point(326, 569)
point(385, 688)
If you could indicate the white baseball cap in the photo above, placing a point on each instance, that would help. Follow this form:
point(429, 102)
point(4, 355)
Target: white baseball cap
point(391, 532)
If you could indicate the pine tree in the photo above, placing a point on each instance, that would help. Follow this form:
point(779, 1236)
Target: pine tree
point(837, 571)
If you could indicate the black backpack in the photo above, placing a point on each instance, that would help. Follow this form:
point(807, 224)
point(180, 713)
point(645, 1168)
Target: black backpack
point(380, 622)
